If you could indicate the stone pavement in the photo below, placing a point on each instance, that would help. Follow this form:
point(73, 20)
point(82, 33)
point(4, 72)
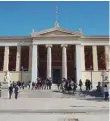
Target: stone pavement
point(53, 117)
point(38, 100)
point(42, 104)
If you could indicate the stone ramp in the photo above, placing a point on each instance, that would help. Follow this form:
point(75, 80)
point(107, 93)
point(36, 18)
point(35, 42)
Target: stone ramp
point(47, 105)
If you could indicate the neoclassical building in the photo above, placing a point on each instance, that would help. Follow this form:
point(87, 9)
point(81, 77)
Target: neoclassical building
point(56, 53)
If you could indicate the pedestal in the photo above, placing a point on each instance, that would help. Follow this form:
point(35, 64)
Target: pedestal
point(5, 90)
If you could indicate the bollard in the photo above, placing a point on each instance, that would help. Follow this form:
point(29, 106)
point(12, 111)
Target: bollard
point(0, 90)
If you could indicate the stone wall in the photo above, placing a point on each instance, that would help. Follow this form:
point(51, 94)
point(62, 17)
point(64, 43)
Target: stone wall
point(15, 76)
point(96, 77)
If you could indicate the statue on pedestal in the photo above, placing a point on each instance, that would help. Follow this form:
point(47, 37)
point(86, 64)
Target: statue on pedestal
point(104, 76)
point(7, 77)
point(5, 85)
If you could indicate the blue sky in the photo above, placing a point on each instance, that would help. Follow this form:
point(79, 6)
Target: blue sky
point(19, 18)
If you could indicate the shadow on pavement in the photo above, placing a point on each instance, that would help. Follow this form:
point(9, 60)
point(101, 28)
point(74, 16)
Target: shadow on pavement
point(94, 99)
point(92, 93)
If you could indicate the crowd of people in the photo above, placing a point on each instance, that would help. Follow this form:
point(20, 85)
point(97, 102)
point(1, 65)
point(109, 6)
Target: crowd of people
point(64, 85)
point(41, 84)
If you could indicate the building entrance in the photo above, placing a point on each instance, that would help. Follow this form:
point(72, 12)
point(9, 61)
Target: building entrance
point(56, 75)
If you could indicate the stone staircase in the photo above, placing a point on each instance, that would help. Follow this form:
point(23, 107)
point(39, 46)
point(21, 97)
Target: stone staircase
point(54, 87)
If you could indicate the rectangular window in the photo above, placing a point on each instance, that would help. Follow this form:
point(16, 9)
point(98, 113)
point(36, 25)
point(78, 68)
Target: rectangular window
point(24, 58)
point(12, 58)
point(88, 57)
point(2, 51)
point(101, 58)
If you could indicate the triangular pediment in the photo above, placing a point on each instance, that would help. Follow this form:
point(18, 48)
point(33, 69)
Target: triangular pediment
point(55, 32)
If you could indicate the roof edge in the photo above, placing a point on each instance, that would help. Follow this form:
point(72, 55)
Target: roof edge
point(15, 37)
point(95, 37)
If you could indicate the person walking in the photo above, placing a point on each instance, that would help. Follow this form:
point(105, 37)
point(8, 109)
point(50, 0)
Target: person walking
point(106, 92)
point(16, 91)
point(10, 90)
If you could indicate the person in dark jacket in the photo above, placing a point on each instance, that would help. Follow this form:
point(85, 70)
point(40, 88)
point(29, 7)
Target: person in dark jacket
point(80, 84)
point(33, 85)
point(22, 84)
point(16, 91)
point(10, 90)
point(50, 83)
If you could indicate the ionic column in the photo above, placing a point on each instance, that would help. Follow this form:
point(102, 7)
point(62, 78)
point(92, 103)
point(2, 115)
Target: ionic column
point(30, 57)
point(95, 59)
point(78, 63)
point(18, 58)
point(6, 58)
point(107, 50)
point(49, 61)
point(83, 57)
point(64, 61)
point(34, 63)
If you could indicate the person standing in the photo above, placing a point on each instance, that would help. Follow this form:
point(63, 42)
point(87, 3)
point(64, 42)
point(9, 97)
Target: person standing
point(22, 85)
point(16, 91)
point(80, 84)
point(10, 90)
point(74, 86)
point(58, 84)
point(50, 83)
point(47, 83)
point(89, 84)
point(29, 84)
point(33, 85)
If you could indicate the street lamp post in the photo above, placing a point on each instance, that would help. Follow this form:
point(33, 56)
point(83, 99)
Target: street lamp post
point(103, 79)
point(21, 73)
point(102, 74)
point(91, 76)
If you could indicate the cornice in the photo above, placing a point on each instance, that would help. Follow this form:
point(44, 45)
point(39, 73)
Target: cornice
point(95, 37)
point(15, 37)
point(52, 36)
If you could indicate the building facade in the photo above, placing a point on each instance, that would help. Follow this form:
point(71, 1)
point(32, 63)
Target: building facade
point(55, 53)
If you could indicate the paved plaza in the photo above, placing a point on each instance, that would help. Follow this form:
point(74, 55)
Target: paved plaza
point(50, 105)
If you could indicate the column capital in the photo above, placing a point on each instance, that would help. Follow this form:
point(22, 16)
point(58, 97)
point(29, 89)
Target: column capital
point(64, 45)
point(49, 45)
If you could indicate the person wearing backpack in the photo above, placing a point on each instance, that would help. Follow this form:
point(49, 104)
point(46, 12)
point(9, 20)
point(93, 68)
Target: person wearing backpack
point(16, 91)
point(10, 90)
